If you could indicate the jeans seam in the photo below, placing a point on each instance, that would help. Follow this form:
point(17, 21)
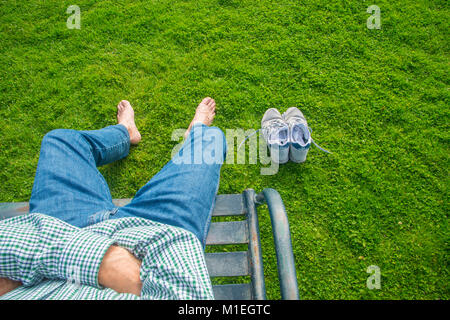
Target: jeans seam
point(105, 215)
point(91, 156)
point(111, 147)
point(124, 141)
point(208, 223)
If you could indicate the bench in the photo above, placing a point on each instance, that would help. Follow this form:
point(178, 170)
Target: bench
point(246, 231)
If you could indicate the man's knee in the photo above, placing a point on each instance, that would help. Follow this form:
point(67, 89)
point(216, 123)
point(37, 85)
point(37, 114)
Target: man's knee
point(60, 136)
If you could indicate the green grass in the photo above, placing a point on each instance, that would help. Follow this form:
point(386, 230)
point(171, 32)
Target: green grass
point(379, 99)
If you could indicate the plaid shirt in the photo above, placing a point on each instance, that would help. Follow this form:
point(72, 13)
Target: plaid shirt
point(55, 260)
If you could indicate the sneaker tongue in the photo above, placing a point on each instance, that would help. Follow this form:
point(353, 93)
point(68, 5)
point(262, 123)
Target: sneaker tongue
point(279, 135)
point(300, 134)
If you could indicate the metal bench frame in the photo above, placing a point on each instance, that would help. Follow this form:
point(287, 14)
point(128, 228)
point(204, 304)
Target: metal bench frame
point(238, 263)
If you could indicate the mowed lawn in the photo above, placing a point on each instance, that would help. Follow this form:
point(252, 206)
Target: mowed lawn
point(379, 99)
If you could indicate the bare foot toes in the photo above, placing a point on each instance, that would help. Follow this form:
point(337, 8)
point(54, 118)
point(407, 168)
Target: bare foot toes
point(205, 113)
point(125, 116)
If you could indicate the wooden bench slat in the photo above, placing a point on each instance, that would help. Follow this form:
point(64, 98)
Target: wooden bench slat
point(233, 232)
point(226, 205)
point(121, 202)
point(12, 209)
point(229, 205)
point(227, 264)
point(241, 291)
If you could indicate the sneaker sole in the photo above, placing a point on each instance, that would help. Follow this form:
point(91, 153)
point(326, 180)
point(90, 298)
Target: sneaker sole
point(298, 155)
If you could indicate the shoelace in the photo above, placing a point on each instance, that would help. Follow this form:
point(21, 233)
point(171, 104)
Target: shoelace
point(319, 147)
point(247, 137)
point(310, 132)
point(299, 118)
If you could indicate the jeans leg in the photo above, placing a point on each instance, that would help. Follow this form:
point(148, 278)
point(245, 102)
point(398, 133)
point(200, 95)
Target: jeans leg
point(68, 184)
point(182, 194)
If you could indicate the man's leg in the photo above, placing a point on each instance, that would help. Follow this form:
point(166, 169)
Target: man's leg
point(182, 194)
point(68, 184)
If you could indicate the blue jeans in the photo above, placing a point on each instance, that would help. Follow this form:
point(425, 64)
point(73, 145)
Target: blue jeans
point(69, 186)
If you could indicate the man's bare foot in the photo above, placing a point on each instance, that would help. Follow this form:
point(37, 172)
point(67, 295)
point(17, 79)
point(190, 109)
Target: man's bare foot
point(205, 113)
point(125, 116)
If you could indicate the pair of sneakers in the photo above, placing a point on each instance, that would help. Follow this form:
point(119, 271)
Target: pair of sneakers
point(287, 135)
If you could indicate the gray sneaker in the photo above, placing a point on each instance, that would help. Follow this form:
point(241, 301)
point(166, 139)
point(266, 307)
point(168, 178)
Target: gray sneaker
point(276, 133)
point(299, 135)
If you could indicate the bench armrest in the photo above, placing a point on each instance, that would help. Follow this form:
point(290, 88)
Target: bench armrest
point(283, 245)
